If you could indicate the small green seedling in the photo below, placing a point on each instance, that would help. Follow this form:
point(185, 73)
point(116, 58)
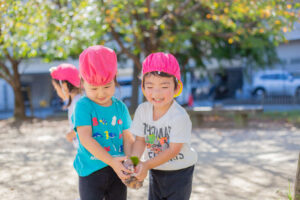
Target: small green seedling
point(135, 160)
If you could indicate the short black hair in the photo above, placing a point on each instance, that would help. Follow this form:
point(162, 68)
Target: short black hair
point(161, 74)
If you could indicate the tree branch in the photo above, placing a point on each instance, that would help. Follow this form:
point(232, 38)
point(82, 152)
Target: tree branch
point(5, 69)
point(135, 59)
point(182, 7)
point(152, 40)
point(191, 10)
point(219, 35)
point(11, 59)
point(148, 5)
point(177, 12)
point(2, 75)
point(15, 75)
point(136, 43)
point(146, 39)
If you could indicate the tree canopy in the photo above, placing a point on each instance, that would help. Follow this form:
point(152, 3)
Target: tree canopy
point(190, 29)
point(48, 29)
point(201, 30)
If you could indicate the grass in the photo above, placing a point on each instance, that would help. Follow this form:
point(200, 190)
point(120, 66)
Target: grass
point(289, 194)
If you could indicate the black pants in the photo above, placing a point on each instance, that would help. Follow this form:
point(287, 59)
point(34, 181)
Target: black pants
point(171, 185)
point(100, 184)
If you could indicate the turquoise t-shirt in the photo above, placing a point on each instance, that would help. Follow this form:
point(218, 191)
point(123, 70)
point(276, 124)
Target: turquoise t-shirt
point(107, 125)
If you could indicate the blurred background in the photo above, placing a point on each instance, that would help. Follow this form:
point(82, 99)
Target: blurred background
point(233, 52)
point(240, 65)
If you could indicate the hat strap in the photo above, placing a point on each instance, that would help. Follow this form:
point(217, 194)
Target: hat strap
point(62, 89)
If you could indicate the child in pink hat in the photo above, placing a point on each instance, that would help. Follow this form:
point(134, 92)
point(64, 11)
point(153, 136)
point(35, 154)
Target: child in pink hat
point(164, 128)
point(66, 82)
point(101, 125)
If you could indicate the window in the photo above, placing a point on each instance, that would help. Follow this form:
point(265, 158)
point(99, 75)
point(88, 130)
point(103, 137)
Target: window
point(295, 61)
point(282, 76)
point(269, 77)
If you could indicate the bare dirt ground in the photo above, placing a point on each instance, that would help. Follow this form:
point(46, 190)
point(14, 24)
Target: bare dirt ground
point(254, 163)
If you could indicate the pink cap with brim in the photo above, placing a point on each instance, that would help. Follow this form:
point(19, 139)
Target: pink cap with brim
point(98, 65)
point(66, 72)
point(163, 62)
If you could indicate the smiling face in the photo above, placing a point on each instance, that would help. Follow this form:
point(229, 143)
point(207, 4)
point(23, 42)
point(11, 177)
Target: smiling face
point(159, 91)
point(100, 94)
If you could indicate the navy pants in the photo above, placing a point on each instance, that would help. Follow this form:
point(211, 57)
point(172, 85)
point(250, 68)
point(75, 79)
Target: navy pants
point(102, 184)
point(171, 185)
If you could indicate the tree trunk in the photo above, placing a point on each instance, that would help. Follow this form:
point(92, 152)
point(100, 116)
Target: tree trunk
point(14, 80)
point(19, 112)
point(297, 182)
point(135, 90)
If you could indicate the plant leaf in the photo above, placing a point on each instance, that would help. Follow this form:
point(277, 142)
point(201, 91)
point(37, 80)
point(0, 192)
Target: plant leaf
point(135, 160)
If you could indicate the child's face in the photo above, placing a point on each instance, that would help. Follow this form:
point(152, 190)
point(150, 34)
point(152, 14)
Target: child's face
point(159, 91)
point(100, 94)
point(59, 91)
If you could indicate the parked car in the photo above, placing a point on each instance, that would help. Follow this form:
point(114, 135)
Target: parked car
point(275, 83)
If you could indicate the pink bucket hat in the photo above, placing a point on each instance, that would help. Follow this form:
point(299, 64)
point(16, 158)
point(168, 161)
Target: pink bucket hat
point(66, 72)
point(163, 62)
point(98, 65)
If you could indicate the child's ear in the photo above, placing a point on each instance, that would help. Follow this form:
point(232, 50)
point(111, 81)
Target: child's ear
point(178, 89)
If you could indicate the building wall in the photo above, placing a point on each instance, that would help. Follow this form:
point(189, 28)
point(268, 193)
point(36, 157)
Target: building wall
point(35, 78)
point(40, 88)
point(289, 53)
point(6, 96)
point(37, 87)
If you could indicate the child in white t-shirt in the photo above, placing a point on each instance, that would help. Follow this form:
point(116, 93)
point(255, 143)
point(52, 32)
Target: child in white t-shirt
point(164, 128)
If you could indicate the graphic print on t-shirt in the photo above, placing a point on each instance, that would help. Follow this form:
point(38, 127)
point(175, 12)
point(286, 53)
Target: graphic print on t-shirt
point(103, 121)
point(95, 135)
point(113, 121)
point(95, 121)
point(157, 140)
point(107, 135)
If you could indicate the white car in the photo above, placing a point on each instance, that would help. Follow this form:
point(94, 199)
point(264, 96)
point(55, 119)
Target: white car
point(275, 83)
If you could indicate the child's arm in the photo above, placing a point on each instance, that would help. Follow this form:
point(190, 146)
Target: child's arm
point(161, 158)
point(86, 139)
point(138, 147)
point(128, 140)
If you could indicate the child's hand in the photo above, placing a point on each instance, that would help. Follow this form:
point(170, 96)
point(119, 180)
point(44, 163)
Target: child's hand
point(141, 171)
point(70, 136)
point(129, 165)
point(119, 168)
point(131, 182)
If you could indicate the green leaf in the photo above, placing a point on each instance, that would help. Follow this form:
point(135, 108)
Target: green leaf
point(135, 160)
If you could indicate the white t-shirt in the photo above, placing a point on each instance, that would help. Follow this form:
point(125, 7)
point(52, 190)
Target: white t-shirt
point(173, 127)
point(71, 109)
